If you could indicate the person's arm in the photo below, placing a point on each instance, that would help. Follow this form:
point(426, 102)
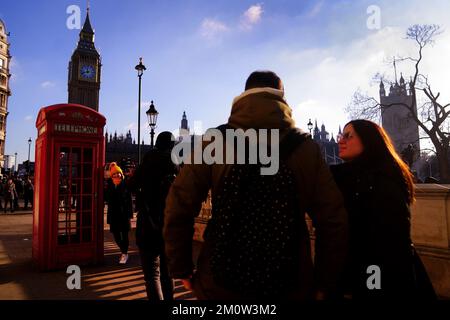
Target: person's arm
point(330, 220)
point(183, 204)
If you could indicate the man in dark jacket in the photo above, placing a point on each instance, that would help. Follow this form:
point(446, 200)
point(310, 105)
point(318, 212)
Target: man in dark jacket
point(151, 182)
point(28, 193)
point(262, 106)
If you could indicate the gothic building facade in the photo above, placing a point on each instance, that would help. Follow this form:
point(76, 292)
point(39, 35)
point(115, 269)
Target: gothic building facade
point(5, 91)
point(328, 146)
point(397, 119)
point(85, 69)
point(119, 147)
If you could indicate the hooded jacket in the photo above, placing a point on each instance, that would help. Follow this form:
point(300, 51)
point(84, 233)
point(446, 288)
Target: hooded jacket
point(261, 108)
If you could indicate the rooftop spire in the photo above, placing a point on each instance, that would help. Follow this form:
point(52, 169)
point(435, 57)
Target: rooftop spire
point(395, 70)
point(402, 81)
point(87, 28)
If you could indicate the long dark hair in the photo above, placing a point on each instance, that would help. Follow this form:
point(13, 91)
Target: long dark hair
point(379, 152)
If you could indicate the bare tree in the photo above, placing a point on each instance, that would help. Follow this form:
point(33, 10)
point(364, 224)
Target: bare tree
point(431, 116)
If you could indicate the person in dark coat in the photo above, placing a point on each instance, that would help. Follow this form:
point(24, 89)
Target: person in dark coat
point(151, 182)
point(378, 190)
point(10, 194)
point(120, 209)
point(28, 193)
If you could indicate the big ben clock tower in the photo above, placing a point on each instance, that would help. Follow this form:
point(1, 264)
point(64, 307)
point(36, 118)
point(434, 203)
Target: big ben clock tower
point(84, 69)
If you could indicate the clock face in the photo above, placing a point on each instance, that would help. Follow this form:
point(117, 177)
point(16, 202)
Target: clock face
point(87, 72)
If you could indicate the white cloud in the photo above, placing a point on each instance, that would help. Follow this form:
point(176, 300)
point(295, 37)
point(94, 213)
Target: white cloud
point(251, 16)
point(28, 118)
point(16, 69)
point(316, 9)
point(212, 28)
point(320, 82)
point(144, 107)
point(48, 84)
point(130, 126)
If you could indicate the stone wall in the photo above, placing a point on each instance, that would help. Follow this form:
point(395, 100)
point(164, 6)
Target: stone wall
point(430, 230)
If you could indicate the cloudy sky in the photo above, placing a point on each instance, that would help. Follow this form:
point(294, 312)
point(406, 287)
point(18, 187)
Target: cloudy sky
point(199, 53)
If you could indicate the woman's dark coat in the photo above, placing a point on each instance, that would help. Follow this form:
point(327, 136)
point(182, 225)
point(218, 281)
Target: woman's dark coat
point(151, 182)
point(379, 220)
point(120, 208)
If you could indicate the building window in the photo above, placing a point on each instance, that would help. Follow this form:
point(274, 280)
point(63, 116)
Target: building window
point(2, 122)
point(3, 80)
point(2, 100)
point(1, 63)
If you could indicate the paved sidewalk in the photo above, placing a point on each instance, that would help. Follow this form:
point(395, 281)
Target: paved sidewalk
point(110, 281)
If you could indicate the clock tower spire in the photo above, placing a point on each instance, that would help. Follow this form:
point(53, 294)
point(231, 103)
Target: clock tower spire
point(85, 69)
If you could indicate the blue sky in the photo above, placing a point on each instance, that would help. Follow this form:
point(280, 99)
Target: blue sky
point(199, 53)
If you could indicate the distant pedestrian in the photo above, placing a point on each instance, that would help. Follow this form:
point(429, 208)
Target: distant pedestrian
point(2, 193)
point(152, 181)
point(28, 193)
point(378, 190)
point(119, 201)
point(10, 194)
point(257, 244)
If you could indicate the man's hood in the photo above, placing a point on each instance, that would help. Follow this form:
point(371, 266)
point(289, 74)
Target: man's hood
point(261, 108)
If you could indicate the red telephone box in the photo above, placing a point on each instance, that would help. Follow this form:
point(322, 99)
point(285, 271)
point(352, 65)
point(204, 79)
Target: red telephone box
point(68, 199)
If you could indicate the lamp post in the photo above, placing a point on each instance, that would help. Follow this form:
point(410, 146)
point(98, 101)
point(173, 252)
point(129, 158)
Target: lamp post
point(15, 162)
point(152, 116)
point(29, 148)
point(310, 126)
point(140, 70)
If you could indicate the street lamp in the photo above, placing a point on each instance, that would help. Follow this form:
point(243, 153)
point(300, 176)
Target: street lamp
point(29, 148)
point(152, 116)
point(140, 70)
point(310, 126)
point(15, 162)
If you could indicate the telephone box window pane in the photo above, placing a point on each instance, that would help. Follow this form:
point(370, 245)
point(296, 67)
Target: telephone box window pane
point(87, 171)
point(75, 187)
point(87, 203)
point(68, 236)
point(87, 186)
point(64, 156)
point(76, 171)
point(63, 185)
point(87, 155)
point(87, 235)
point(63, 238)
point(63, 172)
point(75, 235)
point(63, 201)
point(73, 224)
point(63, 217)
point(74, 203)
point(87, 219)
point(76, 155)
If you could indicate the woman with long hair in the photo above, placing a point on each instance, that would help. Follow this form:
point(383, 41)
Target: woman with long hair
point(378, 190)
